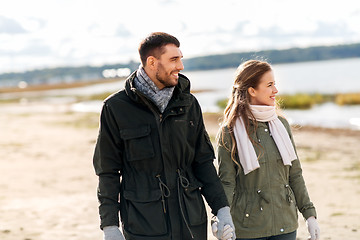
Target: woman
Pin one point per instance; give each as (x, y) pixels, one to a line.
(258, 164)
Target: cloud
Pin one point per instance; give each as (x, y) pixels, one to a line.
(122, 31)
(10, 26)
(332, 30)
(36, 48)
(108, 32)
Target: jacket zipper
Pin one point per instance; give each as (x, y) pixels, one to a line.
(269, 182)
(158, 115)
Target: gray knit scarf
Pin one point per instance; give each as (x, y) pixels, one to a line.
(145, 85)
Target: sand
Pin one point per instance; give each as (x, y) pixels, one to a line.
(48, 185)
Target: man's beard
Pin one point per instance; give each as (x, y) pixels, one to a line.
(163, 80)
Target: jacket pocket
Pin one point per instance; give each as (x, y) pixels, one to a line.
(256, 210)
(194, 205)
(138, 143)
(145, 214)
(289, 209)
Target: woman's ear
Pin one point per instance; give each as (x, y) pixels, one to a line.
(252, 91)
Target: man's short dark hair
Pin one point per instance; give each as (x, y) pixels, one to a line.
(153, 45)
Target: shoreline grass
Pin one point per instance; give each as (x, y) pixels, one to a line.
(347, 99)
(307, 101)
(285, 101)
(303, 100)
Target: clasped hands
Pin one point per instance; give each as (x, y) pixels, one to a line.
(222, 225)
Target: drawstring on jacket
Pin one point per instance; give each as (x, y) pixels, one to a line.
(184, 182)
(165, 191)
(289, 194)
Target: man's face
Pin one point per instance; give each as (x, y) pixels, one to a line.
(168, 67)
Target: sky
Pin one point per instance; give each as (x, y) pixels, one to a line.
(54, 33)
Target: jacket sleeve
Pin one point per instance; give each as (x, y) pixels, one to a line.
(107, 164)
(227, 168)
(205, 172)
(297, 183)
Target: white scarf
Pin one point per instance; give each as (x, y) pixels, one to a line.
(247, 155)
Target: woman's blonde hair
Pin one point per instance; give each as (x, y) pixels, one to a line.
(248, 75)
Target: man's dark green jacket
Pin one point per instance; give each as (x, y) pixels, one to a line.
(153, 167)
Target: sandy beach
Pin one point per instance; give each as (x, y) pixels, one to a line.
(48, 185)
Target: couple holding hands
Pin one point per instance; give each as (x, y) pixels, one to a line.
(154, 158)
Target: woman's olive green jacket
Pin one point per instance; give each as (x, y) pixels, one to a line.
(265, 201)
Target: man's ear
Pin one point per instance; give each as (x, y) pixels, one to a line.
(151, 62)
(252, 91)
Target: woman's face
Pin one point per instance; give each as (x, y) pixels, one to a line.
(264, 93)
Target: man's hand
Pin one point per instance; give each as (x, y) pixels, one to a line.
(112, 233)
(224, 225)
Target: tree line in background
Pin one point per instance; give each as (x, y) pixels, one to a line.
(291, 55)
(231, 60)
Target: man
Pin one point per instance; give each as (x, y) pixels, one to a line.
(153, 156)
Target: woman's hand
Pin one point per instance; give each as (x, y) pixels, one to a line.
(313, 228)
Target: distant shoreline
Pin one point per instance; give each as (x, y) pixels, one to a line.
(45, 87)
(207, 62)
